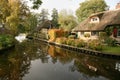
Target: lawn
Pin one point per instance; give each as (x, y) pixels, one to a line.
(111, 50)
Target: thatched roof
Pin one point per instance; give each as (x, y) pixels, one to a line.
(46, 24)
(106, 18)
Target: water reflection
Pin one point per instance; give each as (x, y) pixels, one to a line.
(33, 60)
(88, 65)
(117, 67)
(13, 66)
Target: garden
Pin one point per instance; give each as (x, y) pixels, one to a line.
(108, 46)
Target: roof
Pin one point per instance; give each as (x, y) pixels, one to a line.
(46, 24)
(106, 18)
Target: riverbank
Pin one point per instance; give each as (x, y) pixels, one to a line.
(6, 42)
(83, 50)
(7, 48)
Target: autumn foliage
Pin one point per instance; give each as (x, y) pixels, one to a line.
(56, 33)
(59, 36)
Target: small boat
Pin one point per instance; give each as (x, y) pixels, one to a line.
(21, 37)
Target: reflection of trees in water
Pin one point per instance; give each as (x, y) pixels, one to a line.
(88, 65)
(16, 63)
(36, 50)
(95, 66)
(59, 54)
(4, 67)
(17, 66)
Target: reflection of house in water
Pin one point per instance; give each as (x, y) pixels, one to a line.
(95, 67)
(92, 67)
(117, 66)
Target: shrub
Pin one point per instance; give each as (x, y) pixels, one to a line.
(102, 35)
(66, 34)
(61, 40)
(110, 42)
(80, 43)
(72, 36)
(6, 40)
(51, 34)
(55, 33)
(95, 45)
(87, 35)
(70, 42)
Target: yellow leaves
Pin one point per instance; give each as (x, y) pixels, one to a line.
(55, 33)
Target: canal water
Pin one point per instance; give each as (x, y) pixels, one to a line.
(35, 60)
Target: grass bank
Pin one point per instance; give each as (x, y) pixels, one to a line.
(111, 50)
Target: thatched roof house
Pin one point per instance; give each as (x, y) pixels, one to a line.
(46, 25)
(41, 30)
(99, 21)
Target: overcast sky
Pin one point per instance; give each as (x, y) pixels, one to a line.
(69, 4)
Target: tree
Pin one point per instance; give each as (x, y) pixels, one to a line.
(4, 11)
(88, 7)
(31, 22)
(18, 15)
(55, 18)
(67, 21)
(43, 16)
(36, 3)
(14, 14)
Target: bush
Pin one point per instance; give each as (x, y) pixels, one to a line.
(102, 35)
(87, 35)
(61, 40)
(70, 42)
(110, 42)
(6, 40)
(56, 33)
(80, 43)
(72, 36)
(95, 45)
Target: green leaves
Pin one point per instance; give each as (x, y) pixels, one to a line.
(67, 21)
(89, 7)
(36, 3)
(55, 18)
(6, 40)
(14, 14)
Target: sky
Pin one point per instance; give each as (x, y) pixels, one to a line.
(69, 5)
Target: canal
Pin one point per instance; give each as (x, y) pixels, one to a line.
(35, 60)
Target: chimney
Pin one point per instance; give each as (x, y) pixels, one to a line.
(117, 6)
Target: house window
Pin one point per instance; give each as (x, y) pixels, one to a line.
(94, 19)
(119, 32)
(94, 33)
(82, 33)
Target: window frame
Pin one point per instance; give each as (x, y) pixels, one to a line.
(82, 33)
(118, 33)
(94, 33)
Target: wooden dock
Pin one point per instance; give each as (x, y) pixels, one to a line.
(82, 50)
